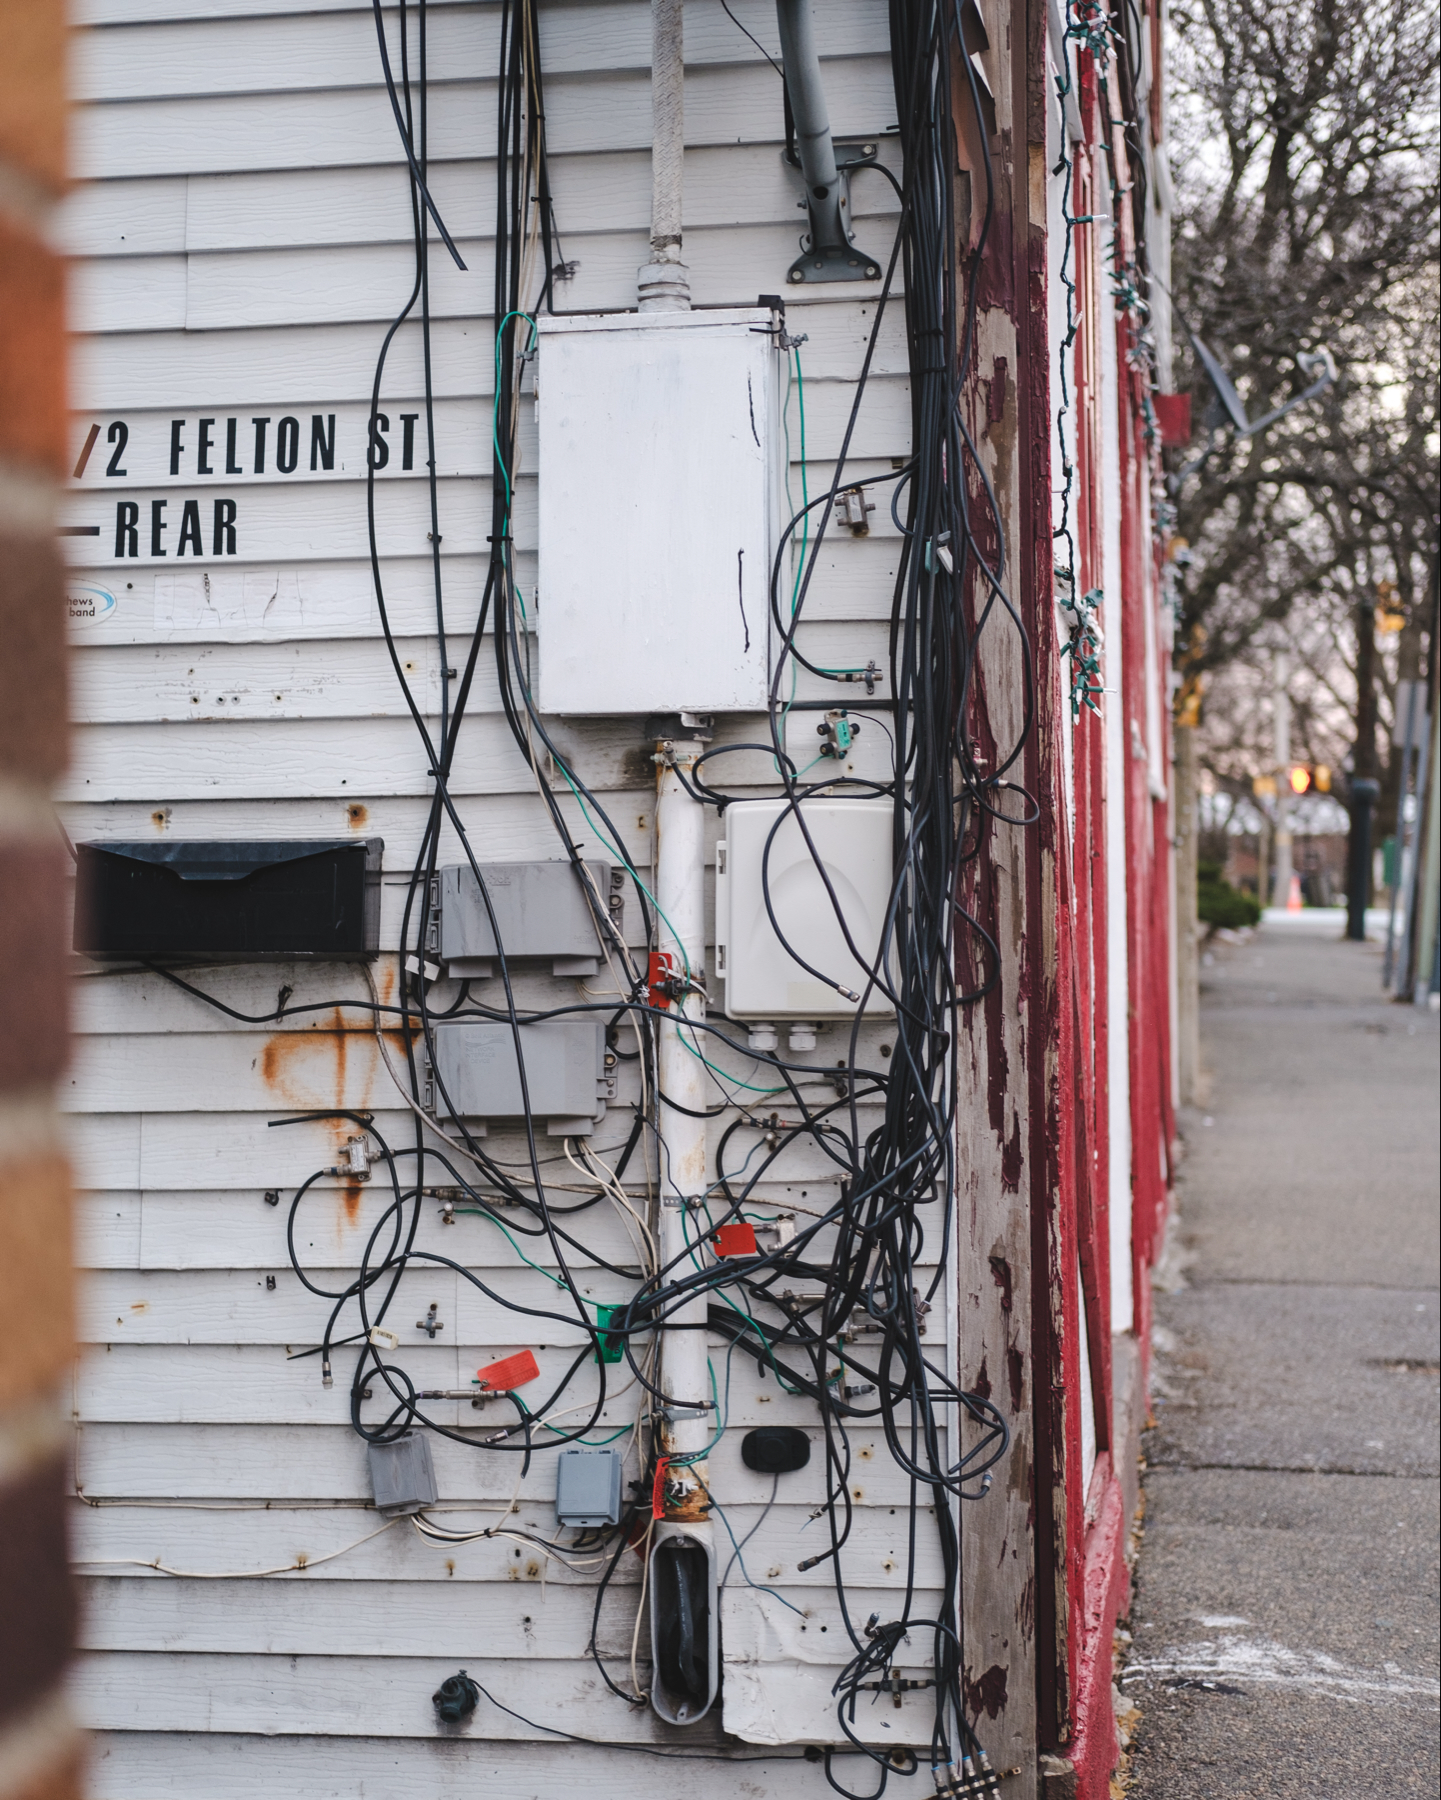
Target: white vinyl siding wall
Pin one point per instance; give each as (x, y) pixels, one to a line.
(242, 238)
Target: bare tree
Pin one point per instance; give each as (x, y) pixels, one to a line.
(1305, 147)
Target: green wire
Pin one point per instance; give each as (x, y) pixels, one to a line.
(479, 1212)
(620, 858)
(805, 509)
(735, 1308)
(495, 402)
(683, 1462)
(591, 1443)
(805, 480)
(800, 388)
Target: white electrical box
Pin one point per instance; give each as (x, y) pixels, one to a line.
(659, 463)
(763, 980)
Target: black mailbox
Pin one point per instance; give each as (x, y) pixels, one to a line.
(229, 902)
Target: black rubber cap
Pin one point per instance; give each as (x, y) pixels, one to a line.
(775, 1449)
(456, 1698)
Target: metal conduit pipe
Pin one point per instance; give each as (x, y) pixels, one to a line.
(801, 60)
(663, 284)
(830, 254)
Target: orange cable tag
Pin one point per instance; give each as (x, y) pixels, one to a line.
(510, 1372)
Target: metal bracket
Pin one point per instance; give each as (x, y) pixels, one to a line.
(833, 262)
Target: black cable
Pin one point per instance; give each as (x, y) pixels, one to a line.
(887, 1136)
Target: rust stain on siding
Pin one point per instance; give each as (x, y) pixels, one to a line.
(334, 1063)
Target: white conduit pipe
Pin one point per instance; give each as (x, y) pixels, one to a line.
(664, 284)
(683, 1686)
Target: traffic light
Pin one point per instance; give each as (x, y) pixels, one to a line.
(1307, 778)
(1390, 614)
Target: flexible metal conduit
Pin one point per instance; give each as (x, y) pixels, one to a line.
(664, 284)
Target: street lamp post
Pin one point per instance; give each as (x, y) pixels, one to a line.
(1281, 747)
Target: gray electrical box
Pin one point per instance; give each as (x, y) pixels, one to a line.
(587, 1487)
(402, 1476)
(540, 907)
(475, 1075)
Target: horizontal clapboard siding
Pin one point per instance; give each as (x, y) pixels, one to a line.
(142, 684)
(462, 444)
(595, 192)
(321, 48)
(327, 1464)
(224, 1766)
(347, 1696)
(351, 127)
(208, 1540)
(250, 367)
(242, 238)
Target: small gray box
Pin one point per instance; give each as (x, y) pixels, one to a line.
(402, 1476)
(587, 1487)
(565, 1072)
(541, 910)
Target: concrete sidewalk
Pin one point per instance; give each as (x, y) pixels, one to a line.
(1284, 1629)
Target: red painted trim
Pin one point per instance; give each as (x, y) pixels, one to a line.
(1106, 1586)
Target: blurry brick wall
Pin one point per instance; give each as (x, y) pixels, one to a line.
(39, 1747)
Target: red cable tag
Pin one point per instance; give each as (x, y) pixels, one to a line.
(510, 1372)
(736, 1239)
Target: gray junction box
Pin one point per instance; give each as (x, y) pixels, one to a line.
(402, 1475)
(475, 1075)
(540, 908)
(587, 1487)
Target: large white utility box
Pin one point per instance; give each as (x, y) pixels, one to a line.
(852, 840)
(659, 464)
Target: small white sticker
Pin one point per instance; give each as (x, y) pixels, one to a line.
(87, 602)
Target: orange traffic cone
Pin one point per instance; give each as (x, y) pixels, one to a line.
(1294, 902)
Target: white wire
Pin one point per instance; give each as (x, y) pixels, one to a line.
(292, 1568)
(607, 1180)
(635, 1686)
(400, 1086)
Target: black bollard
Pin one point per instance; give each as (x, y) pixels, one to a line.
(1364, 794)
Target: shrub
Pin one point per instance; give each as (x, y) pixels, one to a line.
(1218, 903)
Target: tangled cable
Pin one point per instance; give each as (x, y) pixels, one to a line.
(836, 1311)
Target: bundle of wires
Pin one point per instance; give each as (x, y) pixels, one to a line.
(864, 1269)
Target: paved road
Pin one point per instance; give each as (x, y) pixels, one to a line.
(1284, 1631)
